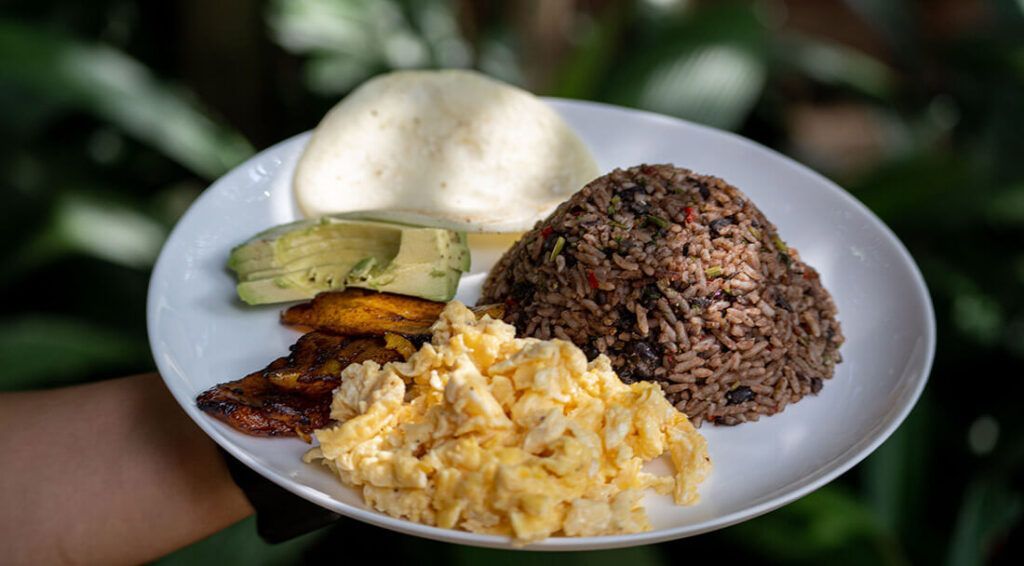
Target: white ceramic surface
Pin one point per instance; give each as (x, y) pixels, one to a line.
(202, 335)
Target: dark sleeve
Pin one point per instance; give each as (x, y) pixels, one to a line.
(280, 514)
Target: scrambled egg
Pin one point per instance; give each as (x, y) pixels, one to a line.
(485, 432)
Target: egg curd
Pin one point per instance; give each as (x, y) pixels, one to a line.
(481, 431)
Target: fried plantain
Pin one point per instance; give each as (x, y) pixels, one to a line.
(315, 364)
(356, 311)
(255, 406)
(292, 396)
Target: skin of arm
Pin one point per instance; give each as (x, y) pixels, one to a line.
(112, 472)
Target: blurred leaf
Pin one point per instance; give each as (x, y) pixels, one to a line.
(922, 189)
(94, 225)
(709, 68)
(26, 112)
(498, 57)
(988, 511)
(45, 351)
(108, 231)
(170, 203)
(827, 526)
(836, 64)
(1007, 207)
(331, 75)
(115, 87)
(438, 26)
(347, 42)
(322, 26)
(239, 544)
(893, 489)
(715, 84)
(979, 317)
(583, 70)
(896, 23)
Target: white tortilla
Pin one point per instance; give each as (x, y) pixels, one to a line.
(449, 148)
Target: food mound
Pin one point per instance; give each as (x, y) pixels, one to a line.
(485, 432)
(681, 280)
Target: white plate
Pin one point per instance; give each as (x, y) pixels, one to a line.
(202, 335)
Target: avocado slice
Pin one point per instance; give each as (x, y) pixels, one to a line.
(296, 261)
(429, 264)
(296, 245)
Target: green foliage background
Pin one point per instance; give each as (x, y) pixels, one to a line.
(115, 115)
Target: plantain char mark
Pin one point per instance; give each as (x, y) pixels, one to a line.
(255, 406)
(316, 360)
(357, 311)
(292, 395)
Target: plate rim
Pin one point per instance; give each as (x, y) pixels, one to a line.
(805, 485)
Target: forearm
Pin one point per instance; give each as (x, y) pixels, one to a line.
(112, 472)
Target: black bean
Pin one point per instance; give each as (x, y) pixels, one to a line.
(816, 385)
(570, 260)
(634, 198)
(717, 225)
(782, 303)
(644, 358)
(645, 352)
(591, 351)
(630, 193)
(650, 295)
(741, 394)
(600, 297)
(686, 249)
(704, 192)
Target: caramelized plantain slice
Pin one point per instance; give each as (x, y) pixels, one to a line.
(292, 396)
(356, 311)
(255, 406)
(315, 364)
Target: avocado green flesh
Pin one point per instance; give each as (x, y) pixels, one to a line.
(295, 286)
(408, 274)
(413, 280)
(312, 255)
(263, 253)
(298, 260)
